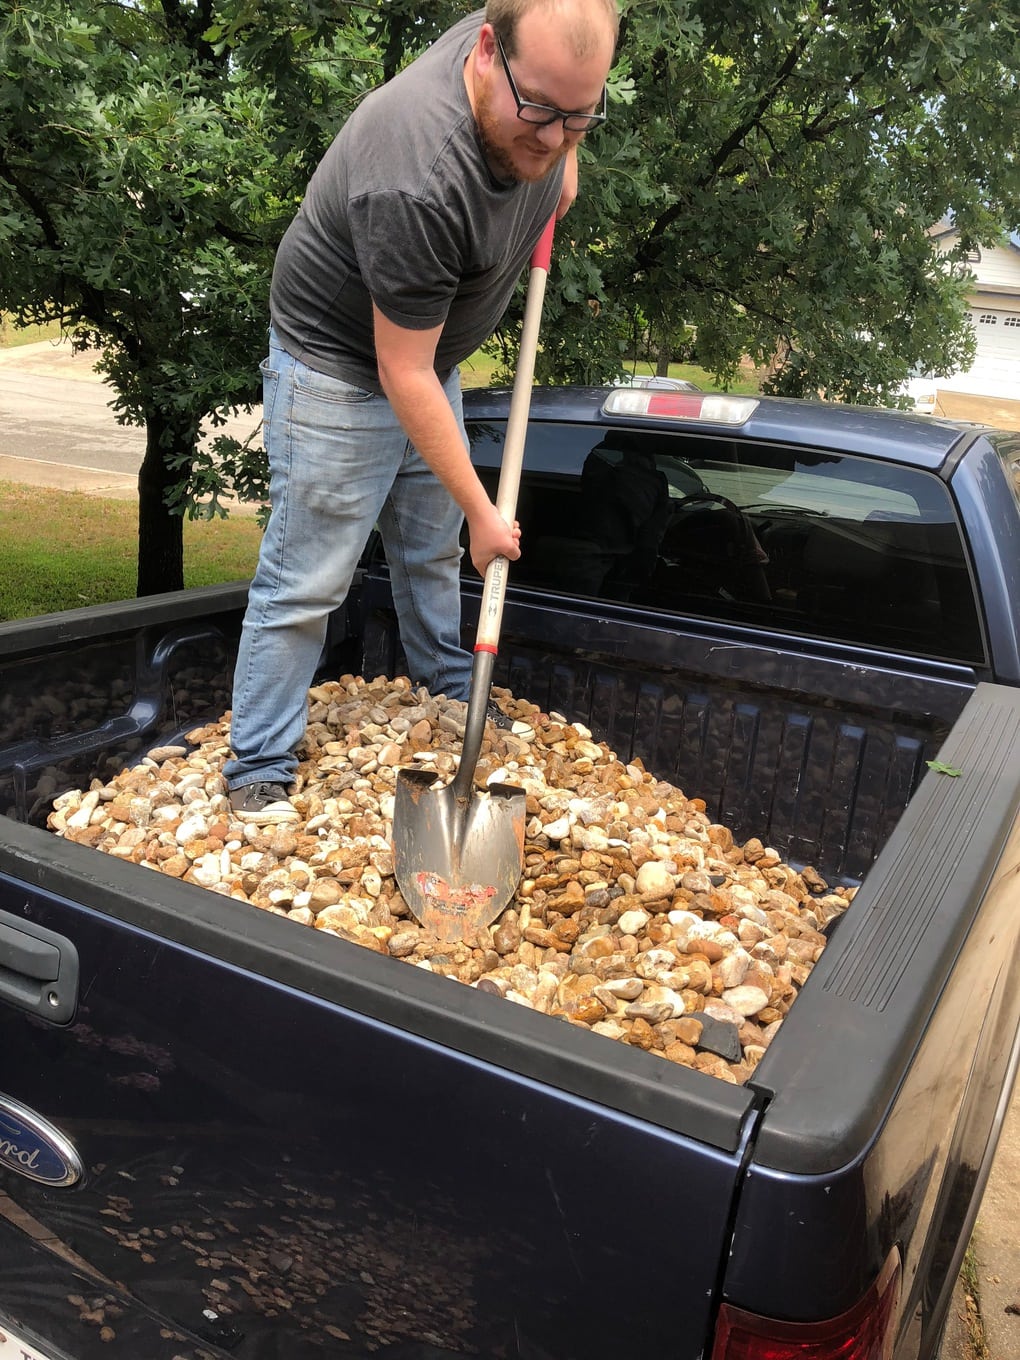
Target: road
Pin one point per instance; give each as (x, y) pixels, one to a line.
(56, 429)
(51, 419)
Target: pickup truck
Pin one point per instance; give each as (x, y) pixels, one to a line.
(223, 1135)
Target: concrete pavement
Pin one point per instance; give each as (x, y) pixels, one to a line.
(57, 428)
(62, 416)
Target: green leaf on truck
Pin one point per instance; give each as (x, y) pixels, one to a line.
(940, 767)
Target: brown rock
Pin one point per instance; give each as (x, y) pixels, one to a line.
(699, 972)
(587, 1009)
(597, 949)
(687, 1029)
(753, 850)
(680, 1053)
(813, 880)
(506, 938)
(325, 892)
(570, 900)
(640, 1034)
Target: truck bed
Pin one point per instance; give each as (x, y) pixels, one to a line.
(291, 1085)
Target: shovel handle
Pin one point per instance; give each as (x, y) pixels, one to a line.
(494, 589)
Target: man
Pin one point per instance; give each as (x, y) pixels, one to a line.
(401, 261)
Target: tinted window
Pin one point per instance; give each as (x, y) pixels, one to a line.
(826, 545)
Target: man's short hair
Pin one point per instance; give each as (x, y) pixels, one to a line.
(504, 16)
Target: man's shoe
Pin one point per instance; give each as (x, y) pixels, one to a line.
(263, 803)
(496, 716)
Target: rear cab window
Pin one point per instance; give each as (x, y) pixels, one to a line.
(826, 545)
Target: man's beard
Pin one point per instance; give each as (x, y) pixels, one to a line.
(500, 158)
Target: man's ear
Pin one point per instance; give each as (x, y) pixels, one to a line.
(485, 53)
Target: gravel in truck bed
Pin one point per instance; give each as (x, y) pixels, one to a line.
(636, 916)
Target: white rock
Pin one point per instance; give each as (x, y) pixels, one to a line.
(633, 922)
(192, 829)
(745, 1000)
(654, 880)
(83, 815)
(664, 996)
(626, 988)
(371, 881)
(207, 870)
(590, 838)
(732, 969)
(557, 830)
(722, 1010)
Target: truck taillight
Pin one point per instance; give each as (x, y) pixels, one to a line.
(864, 1332)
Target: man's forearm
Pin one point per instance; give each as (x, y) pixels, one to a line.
(424, 412)
(408, 377)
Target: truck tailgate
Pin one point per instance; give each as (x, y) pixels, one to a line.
(291, 1143)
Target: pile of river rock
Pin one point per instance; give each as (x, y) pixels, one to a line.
(636, 916)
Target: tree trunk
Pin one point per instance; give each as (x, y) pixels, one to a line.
(160, 534)
(663, 357)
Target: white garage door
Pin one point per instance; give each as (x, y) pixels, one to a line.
(995, 371)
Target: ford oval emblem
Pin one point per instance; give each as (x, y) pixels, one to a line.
(33, 1147)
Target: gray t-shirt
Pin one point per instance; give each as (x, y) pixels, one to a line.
(404, 210)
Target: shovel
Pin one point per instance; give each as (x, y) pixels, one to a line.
(457, 852)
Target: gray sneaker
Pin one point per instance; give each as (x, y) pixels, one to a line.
(497, 717)
(262, 802)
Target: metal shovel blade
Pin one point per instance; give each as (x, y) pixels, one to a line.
(457, 859)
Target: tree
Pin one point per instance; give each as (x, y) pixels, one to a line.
(769, 178)
(151, 155)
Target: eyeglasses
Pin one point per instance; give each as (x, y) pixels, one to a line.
(544, 114)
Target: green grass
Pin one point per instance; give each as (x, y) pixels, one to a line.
(478, 371)
(63, 550)
(28, 335)
(972, 1296)
(746, 384)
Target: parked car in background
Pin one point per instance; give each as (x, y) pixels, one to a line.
(659, 384)
(922, 389)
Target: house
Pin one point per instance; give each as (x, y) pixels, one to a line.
(994, 308)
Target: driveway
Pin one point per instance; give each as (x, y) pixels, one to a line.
(57, 428)
(997, 411)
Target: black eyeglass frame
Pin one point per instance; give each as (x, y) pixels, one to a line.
(526, 108)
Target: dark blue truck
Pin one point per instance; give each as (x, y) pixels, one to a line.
(224, 1136)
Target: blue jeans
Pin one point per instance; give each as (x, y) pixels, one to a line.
(339, 464)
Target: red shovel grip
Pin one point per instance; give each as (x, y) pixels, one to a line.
(541, 256)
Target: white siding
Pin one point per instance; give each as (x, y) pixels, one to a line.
(998, 267)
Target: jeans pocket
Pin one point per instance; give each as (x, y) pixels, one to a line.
(270, 387)
(310, 382)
